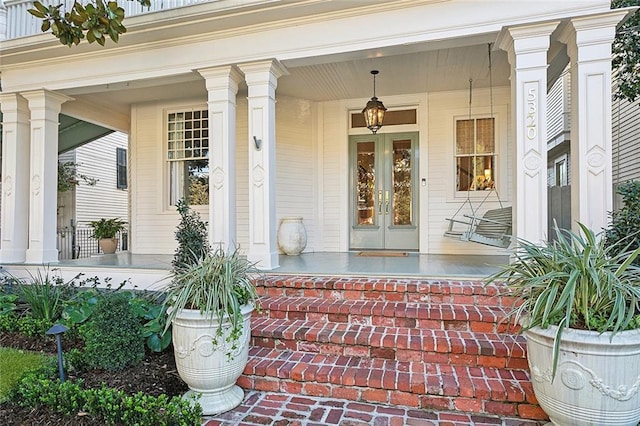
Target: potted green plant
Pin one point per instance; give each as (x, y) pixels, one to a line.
(209, 302)
(106, 232)
(578, 304)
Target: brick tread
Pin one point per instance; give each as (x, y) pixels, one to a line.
(416, 378)
(400, 343)
(393, 289)
(374, 312)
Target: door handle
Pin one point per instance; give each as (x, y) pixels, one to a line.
(380, 201)
(386, 202)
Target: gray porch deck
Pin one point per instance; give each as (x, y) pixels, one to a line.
(325, 263)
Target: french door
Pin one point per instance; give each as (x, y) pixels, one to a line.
(383, 191)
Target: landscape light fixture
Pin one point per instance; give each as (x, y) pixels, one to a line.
(374, 111)
(57, 331)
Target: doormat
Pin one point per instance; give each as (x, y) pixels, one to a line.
(383, 254)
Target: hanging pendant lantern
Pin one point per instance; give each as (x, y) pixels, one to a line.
(374, 111)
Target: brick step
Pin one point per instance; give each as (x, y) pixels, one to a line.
(458, 292)
(436, 316)
(395, 343)
(437, 386)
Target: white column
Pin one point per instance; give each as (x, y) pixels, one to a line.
(526, 48)
(45, 108)
(588, 43)
(262, 80)
(14, 223)
(222, 87)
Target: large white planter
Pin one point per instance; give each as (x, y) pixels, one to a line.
(209, 369)
(597, 381)
(292, 236)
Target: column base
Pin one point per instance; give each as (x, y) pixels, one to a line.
(13, 255)
(42, 256)
(265, 261)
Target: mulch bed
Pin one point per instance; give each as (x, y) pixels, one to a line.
(155, 375)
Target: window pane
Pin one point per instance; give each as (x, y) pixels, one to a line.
(402, 196)
(464, 137)
(464, 173)
(485, 142)
(366, 184)
(190, 180)
(484, 172)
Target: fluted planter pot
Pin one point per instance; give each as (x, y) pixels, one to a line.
(108, 245)
(292, 236)
(209, 364)
(597, 381)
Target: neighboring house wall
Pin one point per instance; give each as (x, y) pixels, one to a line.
(96, 160)
(558, 131)
(626, 143)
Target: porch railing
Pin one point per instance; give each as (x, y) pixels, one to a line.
(19, 23)
(77, 243)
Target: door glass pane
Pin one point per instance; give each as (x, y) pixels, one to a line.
(402, 196)
(365, 183)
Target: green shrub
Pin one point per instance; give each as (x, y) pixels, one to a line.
(624, 230)
(113, 334)
(191, 235)
(110, 406)
(44, 294)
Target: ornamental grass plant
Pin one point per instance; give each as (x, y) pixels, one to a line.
(217, 285)
(578, 281)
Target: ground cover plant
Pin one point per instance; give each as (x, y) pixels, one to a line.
(13, 363)
(136, 383)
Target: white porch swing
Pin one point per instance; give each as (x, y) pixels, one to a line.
(493, 228)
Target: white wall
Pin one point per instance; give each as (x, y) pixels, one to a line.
(311, 163)
(442, 200)
(154, 221)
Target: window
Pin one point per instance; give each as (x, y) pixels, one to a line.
(188, 156)
(121, 168)
(561, 171)
(475, 154)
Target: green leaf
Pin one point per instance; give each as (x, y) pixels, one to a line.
(37, 14)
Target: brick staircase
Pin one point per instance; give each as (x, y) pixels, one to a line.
(431, 344)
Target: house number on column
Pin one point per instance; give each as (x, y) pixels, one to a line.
(531, 117)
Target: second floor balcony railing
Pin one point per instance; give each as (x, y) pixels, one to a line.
(19, 23)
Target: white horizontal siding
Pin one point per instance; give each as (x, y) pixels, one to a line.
(626, 140)
(441, 200)
(97, 160)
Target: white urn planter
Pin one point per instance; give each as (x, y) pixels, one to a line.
(208, 363)
(597, 381)
(292, 236)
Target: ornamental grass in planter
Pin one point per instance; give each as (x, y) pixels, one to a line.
(209, 304)
(578, 303)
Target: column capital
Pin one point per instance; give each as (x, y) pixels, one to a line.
(593, 34)
(45, 98)
(226, 77)
(526, 38)
(263, 71)
(12, 103)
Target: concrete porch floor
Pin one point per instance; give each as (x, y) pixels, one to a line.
(325, 263)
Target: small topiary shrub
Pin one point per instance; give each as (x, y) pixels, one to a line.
(113, 334)
(191, 235)
(624, 230)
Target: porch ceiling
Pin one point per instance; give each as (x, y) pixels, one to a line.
(402, 71)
